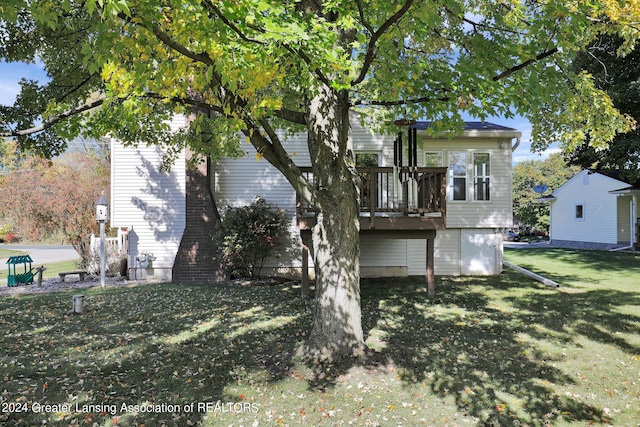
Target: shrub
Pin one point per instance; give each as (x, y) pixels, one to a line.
(7, 234)
(251, 234)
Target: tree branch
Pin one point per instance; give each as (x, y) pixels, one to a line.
(503, 75)
(77, 87)
(371, 48)
(394, 103)
(73, 112)
(299, 53)
(53, 120)
(519, 67)
(183, 50)
(363, 19)
(230, 24)
(291, 116)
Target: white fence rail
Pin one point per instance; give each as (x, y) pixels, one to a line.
(115, 249)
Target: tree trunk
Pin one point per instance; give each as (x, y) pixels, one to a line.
(337, 328)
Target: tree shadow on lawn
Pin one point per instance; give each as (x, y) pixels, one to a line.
(468, 350)
(593, 314)
(163, 345)
(181, 345)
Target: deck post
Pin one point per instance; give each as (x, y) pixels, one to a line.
(305, 235)
(305, 271)
(431, 288)
(373, 197)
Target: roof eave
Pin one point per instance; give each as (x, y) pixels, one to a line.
(474, 133)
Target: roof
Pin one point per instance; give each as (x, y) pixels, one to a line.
(546, 199)
(625, 190)
(469, 126)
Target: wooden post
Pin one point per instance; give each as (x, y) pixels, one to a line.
(305, 236)
(431, 288)
(305, 271)
(40, 270)
(373, 196)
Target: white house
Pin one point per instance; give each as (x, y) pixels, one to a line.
(464, 226)
(593, 210)
(478, 205)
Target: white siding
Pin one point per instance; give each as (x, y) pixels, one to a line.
(498, 211)
(237, 182)
(150, 203)
(591, 190)
(446, 254)
(383, 252)
(459, 252)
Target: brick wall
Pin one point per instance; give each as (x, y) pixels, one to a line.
(196, 261)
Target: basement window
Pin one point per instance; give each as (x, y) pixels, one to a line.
(579, 213)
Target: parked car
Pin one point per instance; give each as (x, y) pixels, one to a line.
(511, 236)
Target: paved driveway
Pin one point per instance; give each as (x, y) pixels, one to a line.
(43, 254)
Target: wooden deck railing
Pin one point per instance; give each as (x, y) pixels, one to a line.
(396, 192)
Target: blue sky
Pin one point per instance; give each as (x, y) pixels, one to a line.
(12, 73)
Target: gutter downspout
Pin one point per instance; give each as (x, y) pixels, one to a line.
(539, 278)
(513, 148)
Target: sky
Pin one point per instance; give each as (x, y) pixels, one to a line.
(12, 73)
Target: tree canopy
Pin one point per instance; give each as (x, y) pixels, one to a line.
(245, 61)
(619, 76)
(552, 173)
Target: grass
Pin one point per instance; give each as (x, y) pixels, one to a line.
(6, 253)
(497, 351)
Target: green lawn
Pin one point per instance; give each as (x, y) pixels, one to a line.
(50, 273)
(6, 253)
(485, 351)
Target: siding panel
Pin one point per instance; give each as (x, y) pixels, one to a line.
(497, 212)
(446, 254)
(150, 203)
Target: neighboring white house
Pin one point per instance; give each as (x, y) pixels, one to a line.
(478, 199)
(593, 210)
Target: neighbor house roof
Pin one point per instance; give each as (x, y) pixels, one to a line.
(626, 190)
(546, 199)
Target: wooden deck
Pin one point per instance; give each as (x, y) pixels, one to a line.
(395, 203)
(393, 200)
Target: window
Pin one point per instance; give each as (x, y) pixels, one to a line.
(579, 214)
(458, 175)
(433, 159)
(481, 172)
